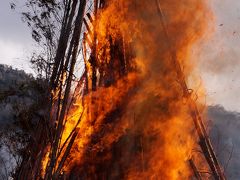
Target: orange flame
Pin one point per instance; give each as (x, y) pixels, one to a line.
(153, 132)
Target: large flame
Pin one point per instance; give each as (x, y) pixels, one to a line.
(140, 127)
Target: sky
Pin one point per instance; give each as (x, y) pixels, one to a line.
(218, 57)
(15, 38)
(219, 61)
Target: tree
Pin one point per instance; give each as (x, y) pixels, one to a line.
(44, 18)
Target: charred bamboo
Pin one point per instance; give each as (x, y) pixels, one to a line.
(63, 41)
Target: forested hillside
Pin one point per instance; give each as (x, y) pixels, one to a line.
(20, 94)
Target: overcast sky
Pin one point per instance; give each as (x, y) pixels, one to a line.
(15, 38)
(219, 56)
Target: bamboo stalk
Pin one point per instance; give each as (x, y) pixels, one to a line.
(62, 45)
(195, 170)
(66, 153)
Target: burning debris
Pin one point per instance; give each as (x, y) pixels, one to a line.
(131, 115)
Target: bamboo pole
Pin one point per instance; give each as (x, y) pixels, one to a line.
(195, 170)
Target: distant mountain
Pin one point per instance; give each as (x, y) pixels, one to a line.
(10, 78)
(225, 134)
(14, 92)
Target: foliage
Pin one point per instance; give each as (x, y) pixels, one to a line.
(22, 102)
(44, 19)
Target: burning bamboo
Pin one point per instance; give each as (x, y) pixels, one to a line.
(76, 37)
(97, 143)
